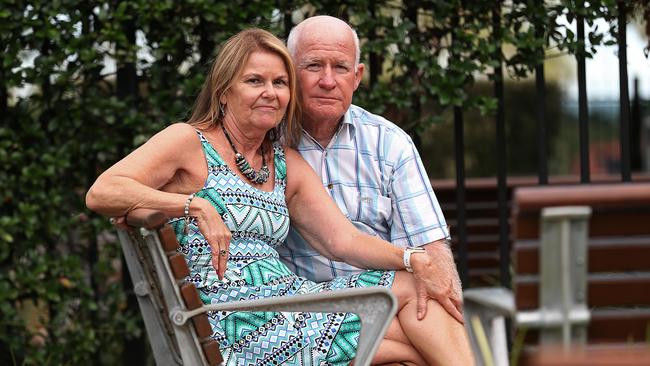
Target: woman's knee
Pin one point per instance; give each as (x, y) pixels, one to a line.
(404, 287)
(395, 332)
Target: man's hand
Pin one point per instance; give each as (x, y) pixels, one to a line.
(438, 280)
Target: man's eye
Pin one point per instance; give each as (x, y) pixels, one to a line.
(313, 67)
(342, 68)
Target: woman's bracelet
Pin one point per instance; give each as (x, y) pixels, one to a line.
(186, 211)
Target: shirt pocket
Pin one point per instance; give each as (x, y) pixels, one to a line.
(369, 211)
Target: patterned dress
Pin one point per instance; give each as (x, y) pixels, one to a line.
(259, 222)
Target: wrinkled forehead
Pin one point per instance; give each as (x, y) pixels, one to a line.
(325, 43)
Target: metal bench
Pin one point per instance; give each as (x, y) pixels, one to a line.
(581, 271)
(176, 320)
(615, 287)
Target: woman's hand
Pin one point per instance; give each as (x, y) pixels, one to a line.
(215, 232)
(429, 286)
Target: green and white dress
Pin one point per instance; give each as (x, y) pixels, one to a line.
(259, 222)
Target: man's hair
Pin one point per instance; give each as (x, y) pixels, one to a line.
(296, 33)
(228, 64)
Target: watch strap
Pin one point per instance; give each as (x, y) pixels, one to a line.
(407, 257)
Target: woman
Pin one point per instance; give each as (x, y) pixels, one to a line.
(225, 164)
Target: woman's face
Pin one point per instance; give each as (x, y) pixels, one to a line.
(259, 95)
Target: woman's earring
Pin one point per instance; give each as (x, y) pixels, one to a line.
(222, 112)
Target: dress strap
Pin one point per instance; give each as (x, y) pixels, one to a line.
(211, 155)
(280, 163)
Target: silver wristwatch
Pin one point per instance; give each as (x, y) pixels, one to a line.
(407, 256)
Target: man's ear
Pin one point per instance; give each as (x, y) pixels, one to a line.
(358, 75)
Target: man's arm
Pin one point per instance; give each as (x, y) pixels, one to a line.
(418, 217)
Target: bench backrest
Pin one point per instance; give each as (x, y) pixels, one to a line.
(158, 272)
(618, 280)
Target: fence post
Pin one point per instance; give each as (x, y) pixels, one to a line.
(624, 100)
(502, 169)
(583, 112)
(461, 221)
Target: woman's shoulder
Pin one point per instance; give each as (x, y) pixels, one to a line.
(180, 129)
(178, 132)
(290, 153)
(297, 167)
(178, 140)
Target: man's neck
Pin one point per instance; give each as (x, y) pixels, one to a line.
(322, 131)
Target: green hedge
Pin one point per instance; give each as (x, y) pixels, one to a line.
(83, 83)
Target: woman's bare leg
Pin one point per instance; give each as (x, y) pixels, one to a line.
(438, 338)
(395, 352)
(396, 347)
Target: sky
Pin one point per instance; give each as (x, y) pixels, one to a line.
(603, 72)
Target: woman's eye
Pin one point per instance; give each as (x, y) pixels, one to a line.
(253, 81)
(280, 82)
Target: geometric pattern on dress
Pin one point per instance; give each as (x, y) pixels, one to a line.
(259, 222)
(344, 345)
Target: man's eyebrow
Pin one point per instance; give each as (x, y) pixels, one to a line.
(344, 63)
(309, 60)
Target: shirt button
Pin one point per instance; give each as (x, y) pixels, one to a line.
(330, 186)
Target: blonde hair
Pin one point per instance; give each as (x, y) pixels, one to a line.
(228, 64)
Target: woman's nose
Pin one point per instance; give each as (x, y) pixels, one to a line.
(269, 90)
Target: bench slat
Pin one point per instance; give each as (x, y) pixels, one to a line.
(202, 325)
(168, 239)
(601, 195)
(623, 223)
(612, 257)
(619, 325)
(146, 218)
(211, 352)
(191, 296)
(611, 326)
(178, 266)
(602, 291)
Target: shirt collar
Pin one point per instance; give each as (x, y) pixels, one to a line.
(345, 132)
(348, 123)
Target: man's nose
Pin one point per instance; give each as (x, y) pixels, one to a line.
(327, 80)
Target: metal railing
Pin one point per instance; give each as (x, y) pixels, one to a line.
(542, 168)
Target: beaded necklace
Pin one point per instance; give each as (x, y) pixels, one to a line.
(257, 177)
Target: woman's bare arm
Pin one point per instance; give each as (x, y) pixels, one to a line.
(160, 175)
(317, 218)
(153, 176)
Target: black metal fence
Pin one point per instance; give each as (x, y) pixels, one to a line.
(629, 150)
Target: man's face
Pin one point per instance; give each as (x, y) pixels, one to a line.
(326, 73)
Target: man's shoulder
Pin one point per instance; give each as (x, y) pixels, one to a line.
(363, 119)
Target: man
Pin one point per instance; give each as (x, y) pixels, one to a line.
(369, 166)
